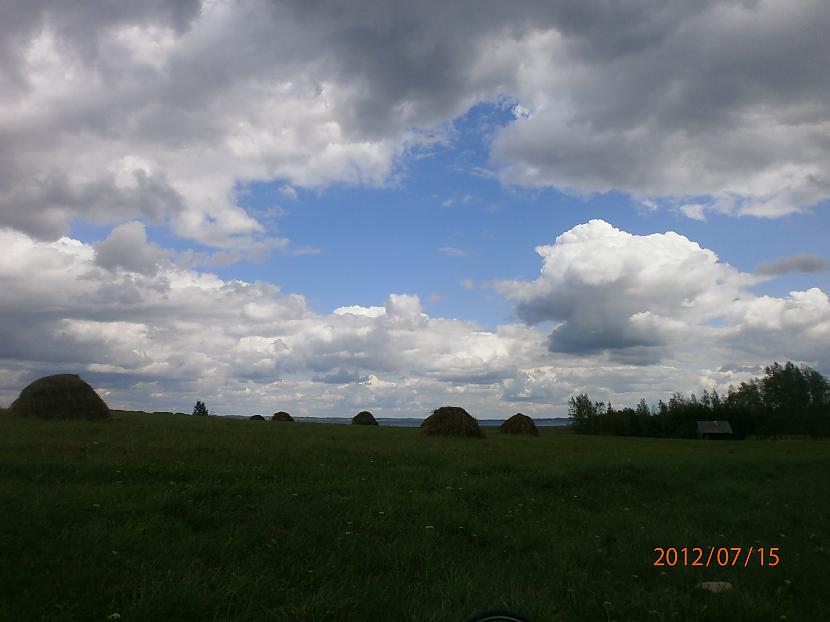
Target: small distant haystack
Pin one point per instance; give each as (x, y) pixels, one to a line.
(64, 396)
(282, 416)
(256, 418)
(519, 424)
(364, 418)
(451, 421)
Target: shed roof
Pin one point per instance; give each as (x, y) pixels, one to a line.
(714, 427)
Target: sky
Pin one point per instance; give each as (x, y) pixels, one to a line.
(325, 207)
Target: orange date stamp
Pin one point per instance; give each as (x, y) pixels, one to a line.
(720, 556)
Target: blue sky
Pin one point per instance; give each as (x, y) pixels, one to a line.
(282, 206)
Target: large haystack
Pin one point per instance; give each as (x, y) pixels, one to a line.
(64, 396)
(256, 418)
(282, 416)
(451, 421)
(519, 424)
(364, 417)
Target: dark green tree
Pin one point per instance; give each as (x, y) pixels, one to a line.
(784, 387)
(200, 410)
(790, 399)
(582, 411)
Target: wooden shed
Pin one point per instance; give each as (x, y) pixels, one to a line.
(714, 429)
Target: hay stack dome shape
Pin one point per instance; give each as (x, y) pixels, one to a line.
(282, 416)
(519, 424)
(63, 396)
(451, 421)
(256, 418)
(364, 417)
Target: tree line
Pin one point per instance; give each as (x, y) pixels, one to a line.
(788, 399)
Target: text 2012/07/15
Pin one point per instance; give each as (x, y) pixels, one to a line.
(717, 556)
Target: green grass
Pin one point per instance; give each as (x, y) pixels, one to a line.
(160, 517)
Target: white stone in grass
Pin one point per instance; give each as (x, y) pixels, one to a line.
(715, 587)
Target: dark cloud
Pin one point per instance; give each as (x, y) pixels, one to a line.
(756, 370)
(591, 336)
(127, 248)
(340, 376)
(803, 262)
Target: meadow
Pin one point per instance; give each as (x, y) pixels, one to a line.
(155, 517)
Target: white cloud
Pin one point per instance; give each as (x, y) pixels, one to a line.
(520, 112)
(799, 323)
(695, 211)
(453, 251)
(289, 192)
(362, 311)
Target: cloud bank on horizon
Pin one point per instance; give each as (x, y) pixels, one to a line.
(130, 116)
(153, 333)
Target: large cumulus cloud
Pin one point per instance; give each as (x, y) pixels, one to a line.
(640, 299)
(613, 291)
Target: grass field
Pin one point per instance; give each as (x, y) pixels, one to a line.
(169, 518)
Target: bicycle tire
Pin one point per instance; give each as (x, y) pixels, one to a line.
(497, 616)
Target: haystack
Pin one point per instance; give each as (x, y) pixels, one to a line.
(519, 424)
(451, 421)
(64, 396)
(364, 417)
(256, 418)
(282, 416)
